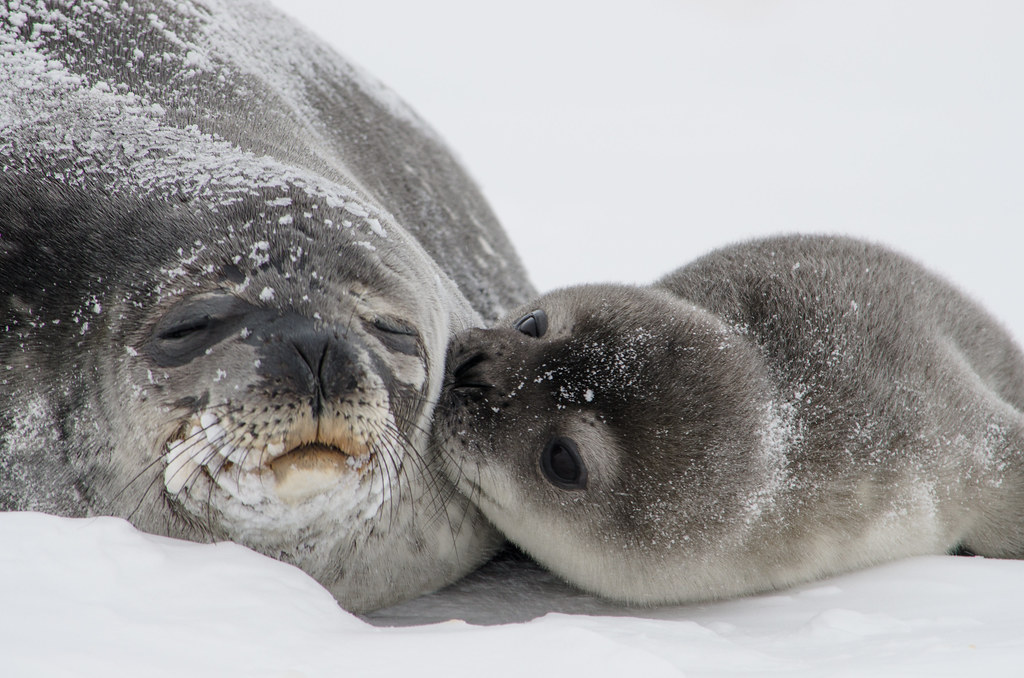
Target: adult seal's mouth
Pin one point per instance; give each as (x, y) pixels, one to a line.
(213, 450)
(310, 470)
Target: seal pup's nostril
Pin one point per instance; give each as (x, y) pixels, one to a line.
(467, 374)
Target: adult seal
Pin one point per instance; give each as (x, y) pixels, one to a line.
(230, 264)
(776, 412)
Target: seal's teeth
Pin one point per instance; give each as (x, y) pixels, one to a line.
(248, 458)
(214, 432)
(179, 451)
(233, 454)
(275, 449)
(195, 430)
(179, 469)
(246, 488)
(214, 462)
(208, 419)
(227, 482)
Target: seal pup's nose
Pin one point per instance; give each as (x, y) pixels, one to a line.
(468, 374)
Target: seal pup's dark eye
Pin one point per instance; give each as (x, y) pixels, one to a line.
(534, 323)
(562, 464)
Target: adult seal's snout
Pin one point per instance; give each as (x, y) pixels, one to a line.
(301, 357)
(230, 264)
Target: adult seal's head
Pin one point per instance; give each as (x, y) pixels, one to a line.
(229, 268)
(773, 413)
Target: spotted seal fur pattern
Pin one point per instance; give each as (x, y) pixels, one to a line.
(776, 412)
(230, 263)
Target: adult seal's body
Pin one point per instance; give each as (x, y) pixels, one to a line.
(773, 413)
(229, 268)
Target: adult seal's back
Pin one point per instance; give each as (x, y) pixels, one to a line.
(775, 412)
(230, 264)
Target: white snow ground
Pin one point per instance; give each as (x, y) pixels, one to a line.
(599, 133)
(95, 597)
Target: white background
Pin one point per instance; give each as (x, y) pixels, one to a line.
(618, 141)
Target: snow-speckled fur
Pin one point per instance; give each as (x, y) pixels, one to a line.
(187, 190)
(775, 412)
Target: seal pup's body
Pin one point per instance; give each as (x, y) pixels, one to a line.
(773, 413)
(230, 264)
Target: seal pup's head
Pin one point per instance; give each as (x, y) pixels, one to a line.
(617, 434)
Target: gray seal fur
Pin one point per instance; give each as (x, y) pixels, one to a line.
(773, 413)
(230, 264)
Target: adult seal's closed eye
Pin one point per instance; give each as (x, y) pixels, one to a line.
(229, 267)
(773, 413)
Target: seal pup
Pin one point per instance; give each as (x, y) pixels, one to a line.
(773, 413)
(230, 264)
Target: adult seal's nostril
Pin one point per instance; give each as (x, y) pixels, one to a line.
(312, 349)
(310, 362)
(339, 366)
